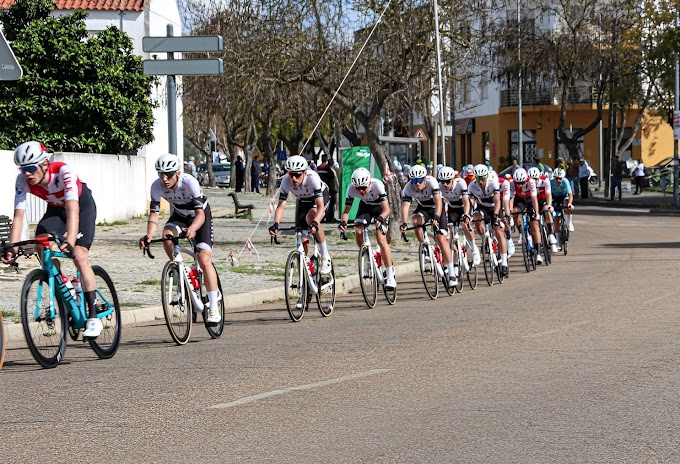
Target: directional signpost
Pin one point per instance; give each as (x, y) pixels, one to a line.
(172, 67)
(9, 66)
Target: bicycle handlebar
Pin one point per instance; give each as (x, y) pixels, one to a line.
(146, 251)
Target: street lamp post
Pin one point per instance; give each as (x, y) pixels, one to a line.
(520, 145)
(676, 168)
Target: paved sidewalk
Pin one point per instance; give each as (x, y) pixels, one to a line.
(654, 201)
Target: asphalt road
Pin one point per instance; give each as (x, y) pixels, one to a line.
(577, 362)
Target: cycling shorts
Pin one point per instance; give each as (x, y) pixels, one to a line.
(428, 214)
(204, 235)
(54, 220)
(366, 213)
(302, 207)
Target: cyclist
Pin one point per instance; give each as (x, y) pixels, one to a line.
(372, 205)
(425, 191)
(310, 207)
(191, 214)
(505, 192)
(562, 200)
(544, 196)
(525, 199)
(454, 191)
(489, 208)
(71, 211)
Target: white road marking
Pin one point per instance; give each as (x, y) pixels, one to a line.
(554, 331)
(309, 386)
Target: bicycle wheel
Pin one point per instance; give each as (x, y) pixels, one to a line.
(458, 264)
(390, 295)
(486, 261)
(2, 342)
(215, 330)
(472, 275)
(176, 303)
(296, 287)
(106, 345)
(325, 297)
(525, 251)
(45, 331)
(368, 280)
(564, 229)
(499, 272)
(547, 250)
(427, 271)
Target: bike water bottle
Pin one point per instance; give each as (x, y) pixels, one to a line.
(193, 277)
(77, 288)
(378, 258)
(69, 287)
(310, 265)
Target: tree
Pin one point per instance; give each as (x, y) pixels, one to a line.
(79, 92)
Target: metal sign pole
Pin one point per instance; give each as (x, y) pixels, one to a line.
(172, 103)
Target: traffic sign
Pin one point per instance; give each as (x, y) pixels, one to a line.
(183, 44)
(420, 135)
(183, 67)
(10, 70)
(676, 125)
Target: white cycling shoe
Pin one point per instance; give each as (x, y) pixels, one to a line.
(390, 283)
(511, 248)
(453, 282)
(93, 327)
(571, 227)
(325, 266)
(539, 259)
(214, 316)
(476, 259)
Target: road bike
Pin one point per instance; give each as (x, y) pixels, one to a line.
(491, 257)
(564, 231)
(547, 247)
(183, 292)
(432, 270)
(529, 252)
(45, 323)
(303, 280)
(372, 271)
(460, 258)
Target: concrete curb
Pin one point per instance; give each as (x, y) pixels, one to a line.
(240, 302)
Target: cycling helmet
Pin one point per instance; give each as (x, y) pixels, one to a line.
(168, 163)
(481, 170)
(534, 172)
(559, 172)
(520, 175)
(417, 172)
(361, 177)
(296, 163)
(30, 153)
(446, 173)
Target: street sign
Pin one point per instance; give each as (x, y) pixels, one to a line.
(9, 66)
(676, 125)
(420, 135)
(183, 44)
(183, 67)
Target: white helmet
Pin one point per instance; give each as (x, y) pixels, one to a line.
(29, 153)
(446, 173)
(361, 177)
(559, 172)
(296, 163)
(168, 163)
(520, 175)
(417, 171)
(481, 170)
(534, 172)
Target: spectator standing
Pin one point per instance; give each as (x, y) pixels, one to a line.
(639, 173)
(572, 173)
(239, 171)
(583, 175)
(327, 174)
(191, 167)
(617, 175)
(254, 177)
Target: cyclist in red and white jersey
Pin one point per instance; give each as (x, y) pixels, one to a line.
(71, 211)
(506, 195)
(454, 191)
(425, 191)
(489, 208)
(312, 200)
(373, 204)
(545, 207)
(525, 198)
(192, 214)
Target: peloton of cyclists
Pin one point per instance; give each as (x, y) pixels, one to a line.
(373, 205)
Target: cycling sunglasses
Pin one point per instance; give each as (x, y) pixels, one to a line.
(30, 169)
(481, 179)
(167, 175)
(417, 180)
(520, 183)
(295, 175)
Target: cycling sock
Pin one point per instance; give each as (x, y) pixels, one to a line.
(452, 273)
(90, 297)
(390, 272)
(323, 249)
(504, 259)
(212, 299)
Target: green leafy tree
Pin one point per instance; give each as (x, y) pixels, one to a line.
(79, 92)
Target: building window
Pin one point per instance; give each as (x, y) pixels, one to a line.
(484, 90)
(528, 145)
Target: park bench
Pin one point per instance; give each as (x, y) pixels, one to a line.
(239, 209)
(5, 228)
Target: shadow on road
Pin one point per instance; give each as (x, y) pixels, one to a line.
(643, 245)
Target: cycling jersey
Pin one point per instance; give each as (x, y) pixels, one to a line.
(485, 197)
(542, 187)
(186, 197)
(63, 185)
(560, 191)
(375, 194)
(454, 197)
(424, 197)
(312, 187)
(505, 190)
(525, 190)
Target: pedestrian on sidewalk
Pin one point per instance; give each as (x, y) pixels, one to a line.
(617, 175)
(583, 175)
(639, 173)
(572, 173)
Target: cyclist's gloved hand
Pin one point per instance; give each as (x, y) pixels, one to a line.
(551, 209)
(534, 216)
(313, 227)
(7, 255)
(274, 229)
(435, 219)
(570, 206)
(66, 248)
(403, 227)
(144, 242)
(466, 218)
(342, 226)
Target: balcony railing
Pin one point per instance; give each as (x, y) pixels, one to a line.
(535, 97)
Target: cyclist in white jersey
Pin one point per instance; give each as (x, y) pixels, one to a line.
(425, 191)
(372, 205)
(489, 208)
(454, 191)
(191, 214)
(312, 200)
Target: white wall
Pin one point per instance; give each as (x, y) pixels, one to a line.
(118, 184)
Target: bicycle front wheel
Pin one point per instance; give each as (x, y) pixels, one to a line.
(325, 296)
(525, 252)
(546, 245)
(106, 345)
(428, 271)
(367, 277)
(215, 330)
(296, 287)
(472, 275)
(45, 329)
(486, 261)
(176, 303)
(458, 264)
(390, 295)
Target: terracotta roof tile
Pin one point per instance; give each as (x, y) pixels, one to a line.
(117, 5)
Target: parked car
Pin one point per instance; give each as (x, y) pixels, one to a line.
(222, 173)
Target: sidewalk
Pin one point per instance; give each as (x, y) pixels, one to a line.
(655, 202)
